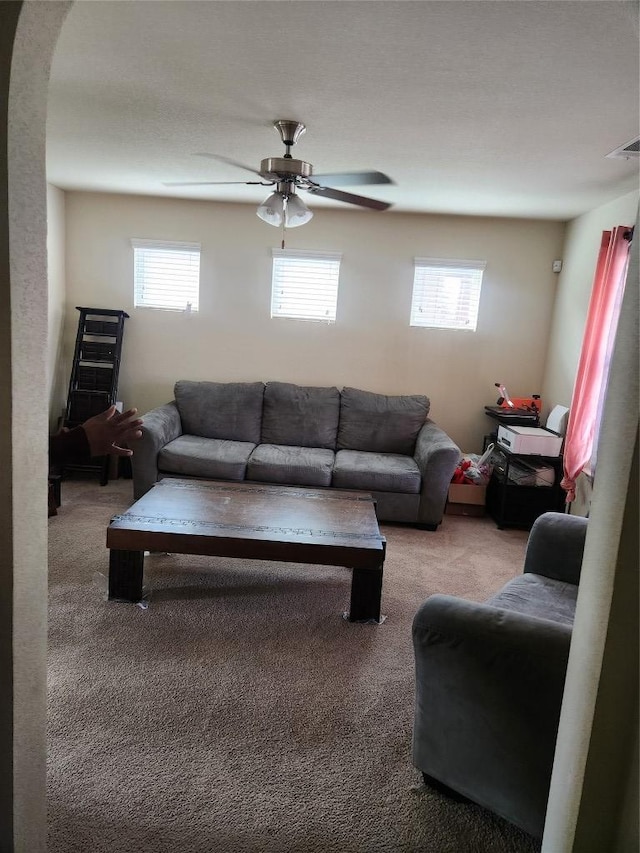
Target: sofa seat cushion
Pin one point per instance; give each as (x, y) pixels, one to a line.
(297, 466)
(380, 424)
(213, 458)
(539, 596)
(226, 410)
(300, 415)
(382, 472)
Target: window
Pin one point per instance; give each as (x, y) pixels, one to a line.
(304, 285)
(166, 275)
(446, 294)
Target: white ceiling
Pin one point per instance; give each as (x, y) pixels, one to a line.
(504, 108)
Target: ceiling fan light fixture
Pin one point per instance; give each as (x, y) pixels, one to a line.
(271, 210)
(296, 212)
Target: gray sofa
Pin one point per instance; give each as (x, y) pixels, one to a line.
(490, 679)
(283, 433)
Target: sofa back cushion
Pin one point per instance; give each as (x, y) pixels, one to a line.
(301, 416)
(227, 410)
(379, 423)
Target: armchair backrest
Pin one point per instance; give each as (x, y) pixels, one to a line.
(556, 546)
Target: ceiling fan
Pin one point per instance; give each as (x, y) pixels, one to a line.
(284, 206)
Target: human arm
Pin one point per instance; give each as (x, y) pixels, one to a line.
(98, 436)
(68, 446)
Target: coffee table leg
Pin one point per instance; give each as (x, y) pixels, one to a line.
(125, 574)
(366, 592)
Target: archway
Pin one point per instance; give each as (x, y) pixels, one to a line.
(28, 38)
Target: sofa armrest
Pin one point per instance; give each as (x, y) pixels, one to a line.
(489, 685)
(159, 427)
(555, 546)
(436, 456)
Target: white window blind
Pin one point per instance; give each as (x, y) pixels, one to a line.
(166, 275)
(304, 285)
(446, 293)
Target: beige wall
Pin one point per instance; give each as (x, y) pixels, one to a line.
(56, 301)
(371, 345)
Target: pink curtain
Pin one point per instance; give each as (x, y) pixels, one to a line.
(602, 319)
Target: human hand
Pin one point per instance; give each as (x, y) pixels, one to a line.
(109, 427)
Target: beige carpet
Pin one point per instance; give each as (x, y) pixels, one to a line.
(240, 711)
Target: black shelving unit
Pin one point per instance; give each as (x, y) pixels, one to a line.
(512, 504)
(93, 385)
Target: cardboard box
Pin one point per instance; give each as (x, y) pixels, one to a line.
(466, 499)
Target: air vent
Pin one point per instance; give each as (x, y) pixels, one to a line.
(630, 149)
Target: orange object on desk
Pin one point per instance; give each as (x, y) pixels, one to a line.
(523, 403)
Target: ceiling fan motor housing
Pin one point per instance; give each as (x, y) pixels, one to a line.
(285, 167)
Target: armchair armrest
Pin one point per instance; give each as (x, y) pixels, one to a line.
(489, 685)
(159, 427)
(436, 456)
(491, 630)
(555, 546)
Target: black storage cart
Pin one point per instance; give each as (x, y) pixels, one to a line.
(512, 499)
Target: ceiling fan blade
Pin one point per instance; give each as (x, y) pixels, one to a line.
(350, 198)
(229, 161)
(351, 179)
(215, 183)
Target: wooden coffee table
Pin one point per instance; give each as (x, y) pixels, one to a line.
(327, 527)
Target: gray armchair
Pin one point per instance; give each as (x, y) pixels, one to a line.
(490, 678)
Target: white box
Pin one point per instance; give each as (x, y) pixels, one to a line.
(530, 440)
